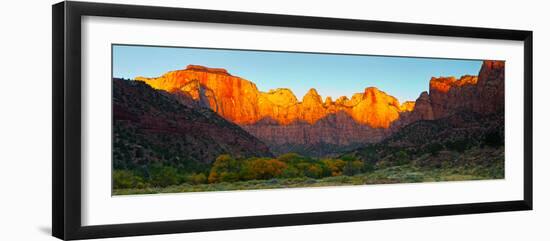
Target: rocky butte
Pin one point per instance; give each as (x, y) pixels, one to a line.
(317, 127)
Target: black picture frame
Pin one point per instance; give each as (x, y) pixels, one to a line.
(66, 128)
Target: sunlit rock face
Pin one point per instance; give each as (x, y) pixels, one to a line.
(240, 101)
(483, 94)
(444, 84)
(407, 106)
(279, 105)
(312, 108)
(232, 97)
(448, 94)
(281, 120)
(376, 109)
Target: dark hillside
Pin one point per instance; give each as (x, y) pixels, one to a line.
(154, 126)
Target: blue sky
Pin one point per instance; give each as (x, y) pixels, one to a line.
(331, 74)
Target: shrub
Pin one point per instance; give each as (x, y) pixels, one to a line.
(459, 145)
(335, 167)
(290, 158)
(302, 168)
(195, 178)
(226, 163)
(353, 167)
(381, 164)
(348, 158)
(314, 171)
(263, 169)
(163, 176)
(434, 148)
(224, 169)
(213, 177)
(368, 166)
(126, 179)
(290, 172)
(401, 158)
(228, 177)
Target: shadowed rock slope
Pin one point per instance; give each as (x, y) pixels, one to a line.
(432, 142)
(156, 126)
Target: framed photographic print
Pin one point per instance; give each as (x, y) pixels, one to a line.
(170, 120)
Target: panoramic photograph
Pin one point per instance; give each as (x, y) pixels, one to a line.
(201, 119)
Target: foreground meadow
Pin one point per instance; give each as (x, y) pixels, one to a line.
(474, 164)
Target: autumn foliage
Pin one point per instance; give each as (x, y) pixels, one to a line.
(228, 169)
(291, 165)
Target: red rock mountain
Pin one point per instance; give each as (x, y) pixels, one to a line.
(240, 101)
(490, 87)
(448, 94)
(285, 123)
(232, 97)
(483, 94)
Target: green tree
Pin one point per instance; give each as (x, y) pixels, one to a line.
(290, 172)
(163, 176)
(224, 169)
(353, 167)
(196, 178)
(291, 158)
(263, 169)
(126, 179)
(348, 158)
(335, 167)
(314, 171)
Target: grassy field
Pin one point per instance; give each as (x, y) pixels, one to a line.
(409, 173)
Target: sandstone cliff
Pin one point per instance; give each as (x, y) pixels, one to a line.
(281, 120)
(490, 87)
(232, 97)
(482, 94)
(448, 94)
(240, 101)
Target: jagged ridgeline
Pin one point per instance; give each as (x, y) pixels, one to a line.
(314, 127)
